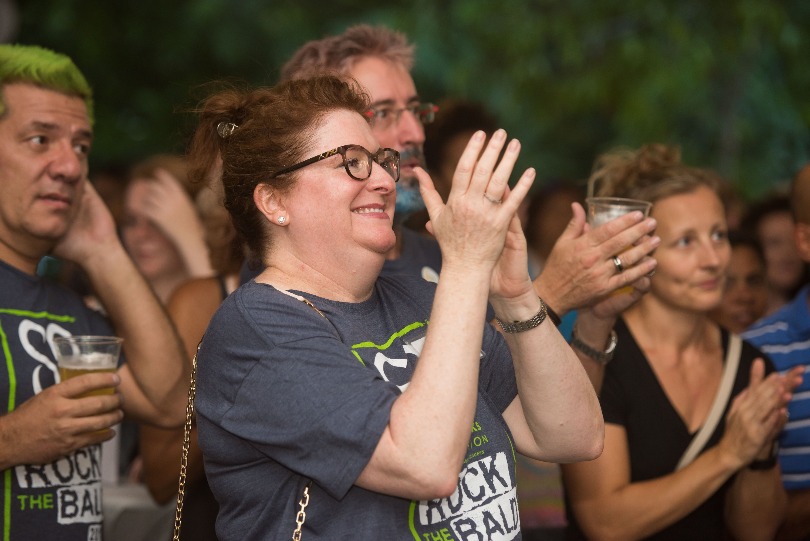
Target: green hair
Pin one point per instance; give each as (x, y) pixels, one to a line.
(43, 68)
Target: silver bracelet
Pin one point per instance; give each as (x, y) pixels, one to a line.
(602, 357)
(521, 326)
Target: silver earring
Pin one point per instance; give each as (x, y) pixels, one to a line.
(281, 219)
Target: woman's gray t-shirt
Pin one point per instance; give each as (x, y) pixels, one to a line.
(286, 395)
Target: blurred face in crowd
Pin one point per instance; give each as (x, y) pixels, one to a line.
(391, 89)
(694, 251)
(45, 138)
(153, 252)
(783, 263)
(746, 296)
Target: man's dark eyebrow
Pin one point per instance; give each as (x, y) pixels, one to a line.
(45, 126)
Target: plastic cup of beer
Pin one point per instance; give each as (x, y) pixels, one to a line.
(604, 209)
(83, 354)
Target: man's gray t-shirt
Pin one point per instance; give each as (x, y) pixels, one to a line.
(63, 499)
(286, 395)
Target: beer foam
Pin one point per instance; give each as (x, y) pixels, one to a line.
(89, 361)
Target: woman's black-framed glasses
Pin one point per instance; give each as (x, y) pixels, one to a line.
(356, 160)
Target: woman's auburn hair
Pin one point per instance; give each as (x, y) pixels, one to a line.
(269, 130)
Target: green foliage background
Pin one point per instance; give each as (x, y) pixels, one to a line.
(725, 80)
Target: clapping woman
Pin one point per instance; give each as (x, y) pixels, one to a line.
(657, 477)
(388, 401)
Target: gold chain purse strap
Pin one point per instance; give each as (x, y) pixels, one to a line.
(181, 489)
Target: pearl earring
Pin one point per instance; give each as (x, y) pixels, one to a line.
(281, 219)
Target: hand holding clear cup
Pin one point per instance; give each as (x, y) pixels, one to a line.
(604, 209)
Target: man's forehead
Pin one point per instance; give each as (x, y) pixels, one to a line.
(386, 82)
(30, 104)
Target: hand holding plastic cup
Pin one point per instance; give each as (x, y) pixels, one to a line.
(84, 354)
(604, 209)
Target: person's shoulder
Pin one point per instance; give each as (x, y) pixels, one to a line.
(17, 283)
(195, 298)
(779, 325)
(196, 287)
(751, 351)
(264, 306)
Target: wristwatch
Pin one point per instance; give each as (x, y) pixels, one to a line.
(521, 326)
(766, 463)
(602, 357)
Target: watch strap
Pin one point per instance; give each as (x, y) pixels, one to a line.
(602, 357)
(515, 327)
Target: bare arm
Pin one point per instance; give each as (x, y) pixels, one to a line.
(797, 521)
(756, 504)
(155, 379)
(609, 506)
(594, 325)
(191, 307)
(556, 416)
(420, 453)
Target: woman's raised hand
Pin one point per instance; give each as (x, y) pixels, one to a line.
(478, 226)
(170, 207)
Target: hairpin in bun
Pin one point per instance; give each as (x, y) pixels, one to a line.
(226, 129)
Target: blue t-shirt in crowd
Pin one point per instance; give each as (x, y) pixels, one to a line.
(785, 337)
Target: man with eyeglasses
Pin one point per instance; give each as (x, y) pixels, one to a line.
(580, 270)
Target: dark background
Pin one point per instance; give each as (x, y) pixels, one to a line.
(728, 81)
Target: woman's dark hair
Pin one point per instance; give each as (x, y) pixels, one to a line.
(252, 133)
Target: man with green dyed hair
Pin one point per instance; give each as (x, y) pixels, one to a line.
(43, 68)
(50, 430)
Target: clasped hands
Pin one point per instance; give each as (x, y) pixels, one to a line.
(758, 414)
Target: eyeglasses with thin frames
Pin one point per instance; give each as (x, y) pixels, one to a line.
(356, 160)
(386, 117)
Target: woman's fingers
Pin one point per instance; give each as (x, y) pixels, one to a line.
(466, 164)
(486, 170)
(433, 201)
